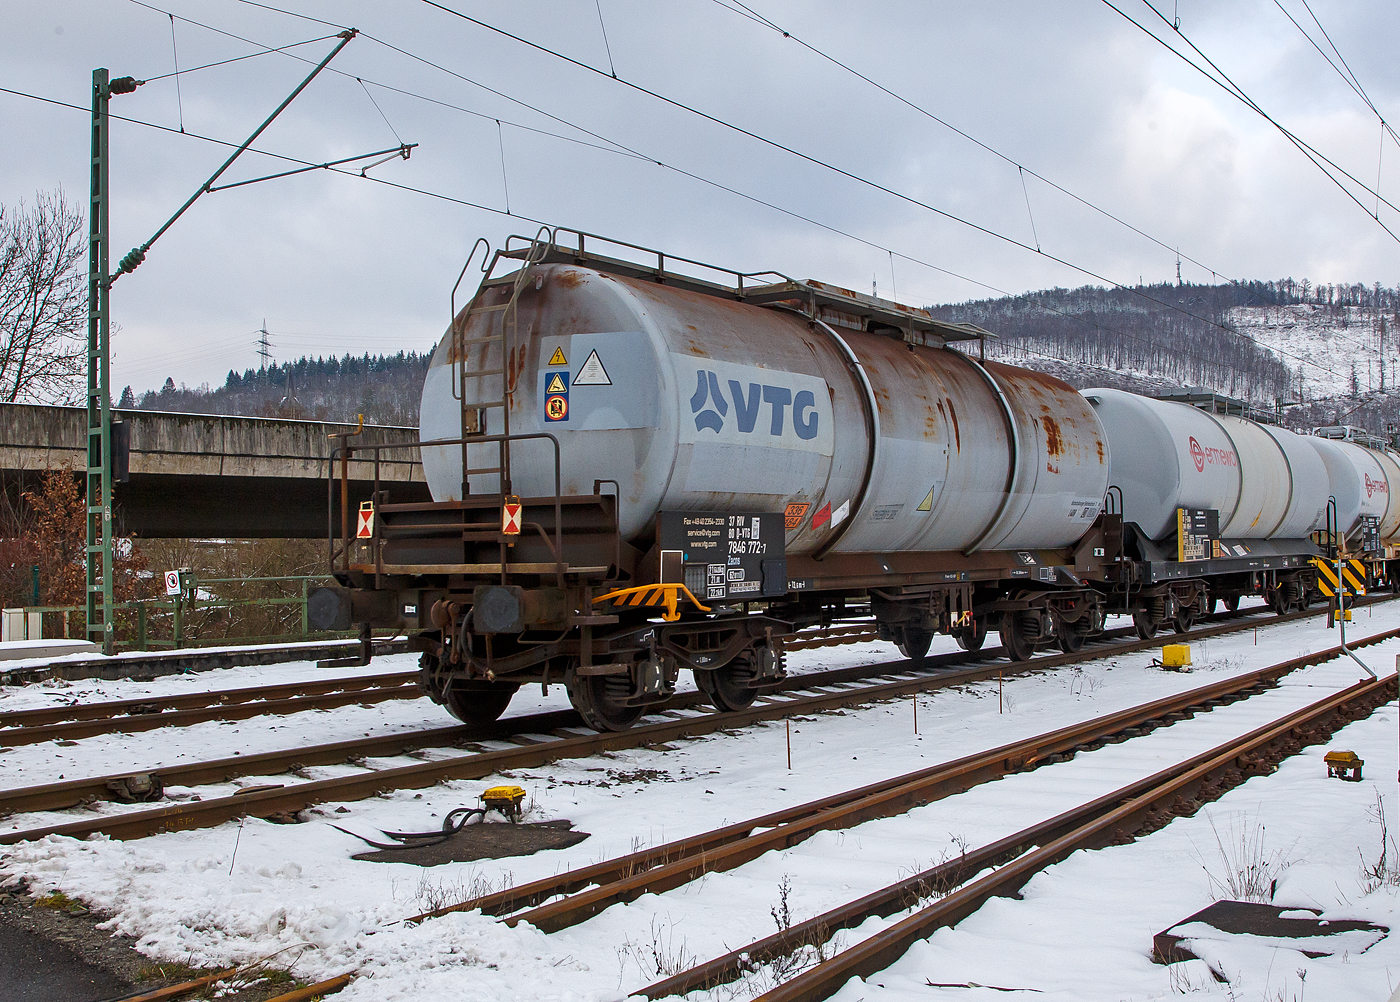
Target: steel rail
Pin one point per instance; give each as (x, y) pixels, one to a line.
(1174, 792)
(682, 862)
(74, 729)
(1285, 736)
(300, 796)
(151, 665)
(71, 793)
(185, 701)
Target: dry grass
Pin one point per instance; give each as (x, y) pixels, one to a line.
(1246, 869)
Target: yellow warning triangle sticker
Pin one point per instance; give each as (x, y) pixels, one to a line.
(927, 503)
(556, 383)
(558, 357)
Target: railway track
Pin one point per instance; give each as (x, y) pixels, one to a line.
(144, 667)
(83, 720)
(534, 740)
(564, 900)
(1117, 818)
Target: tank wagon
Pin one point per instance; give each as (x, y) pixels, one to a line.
(636, 471)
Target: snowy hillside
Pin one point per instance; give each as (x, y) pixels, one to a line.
(1257, 341)
(1336, 351)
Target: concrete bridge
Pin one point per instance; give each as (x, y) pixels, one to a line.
(203, 475)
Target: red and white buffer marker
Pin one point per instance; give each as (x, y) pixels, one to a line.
(364, 525)
(510, 517)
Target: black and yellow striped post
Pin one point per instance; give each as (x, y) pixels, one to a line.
(1341, 580)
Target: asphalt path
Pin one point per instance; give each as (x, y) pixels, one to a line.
(35, 969)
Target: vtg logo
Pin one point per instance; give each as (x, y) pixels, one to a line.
(748, 403)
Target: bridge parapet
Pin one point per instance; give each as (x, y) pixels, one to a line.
(173, 443)
(203, 475)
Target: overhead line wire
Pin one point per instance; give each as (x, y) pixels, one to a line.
(865, 181)
(235, 59)
(623, 150)
(734, 191)
(610, 148)
(351, 76)
(1307, 149)
(1226, 84)
(628, 151)
(753, 15)
(1354, 80)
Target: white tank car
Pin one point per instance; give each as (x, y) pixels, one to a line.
(695, 402)
(1266, 482)
(1362, 480)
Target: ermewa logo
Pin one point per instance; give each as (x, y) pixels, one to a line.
(748, 402)
(1376, 486)
(1215, 457)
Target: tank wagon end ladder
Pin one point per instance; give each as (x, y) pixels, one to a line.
(505, 337)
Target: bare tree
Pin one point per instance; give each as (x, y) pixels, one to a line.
(43, 299)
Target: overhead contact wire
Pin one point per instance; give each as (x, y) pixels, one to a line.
(1229, 86)
(875, 184)
(1074, 318)
(753, 15)
(620, 149)
(175, 54)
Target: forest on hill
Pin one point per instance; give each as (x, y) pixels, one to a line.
(384, 388)
(1313, 354)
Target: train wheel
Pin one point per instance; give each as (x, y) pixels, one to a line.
(1013, 637)
(1146, 628)
(973, 639)
(1072, 637)
(1184, 620)
(601, 700)
(1232, 604)
(478, 702)
(915, 645)
(727, 688)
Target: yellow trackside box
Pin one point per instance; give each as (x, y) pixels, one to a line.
(1176, 655)
(505, 799)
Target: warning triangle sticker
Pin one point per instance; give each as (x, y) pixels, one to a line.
(558, 357)
(556, 383)
(927, 503)
(592, 373)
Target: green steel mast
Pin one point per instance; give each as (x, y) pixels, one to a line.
(98, 497)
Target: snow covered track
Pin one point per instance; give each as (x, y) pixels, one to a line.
(83, 720)
(1120, 817)
(594, 888)
(534, 740)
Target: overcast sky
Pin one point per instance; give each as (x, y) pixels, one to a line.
(333, 263)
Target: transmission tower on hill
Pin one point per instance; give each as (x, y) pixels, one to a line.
(264, 346)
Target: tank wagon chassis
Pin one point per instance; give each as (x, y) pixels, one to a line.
(499, 591)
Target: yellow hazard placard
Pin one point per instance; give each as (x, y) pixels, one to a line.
(556, 383)
(558, 357)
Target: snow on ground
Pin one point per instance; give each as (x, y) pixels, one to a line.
(242, 891)
(1083, 930)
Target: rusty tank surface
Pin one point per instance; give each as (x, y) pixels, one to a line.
(690, 402)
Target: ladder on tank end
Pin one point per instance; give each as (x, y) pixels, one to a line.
(505, 337)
